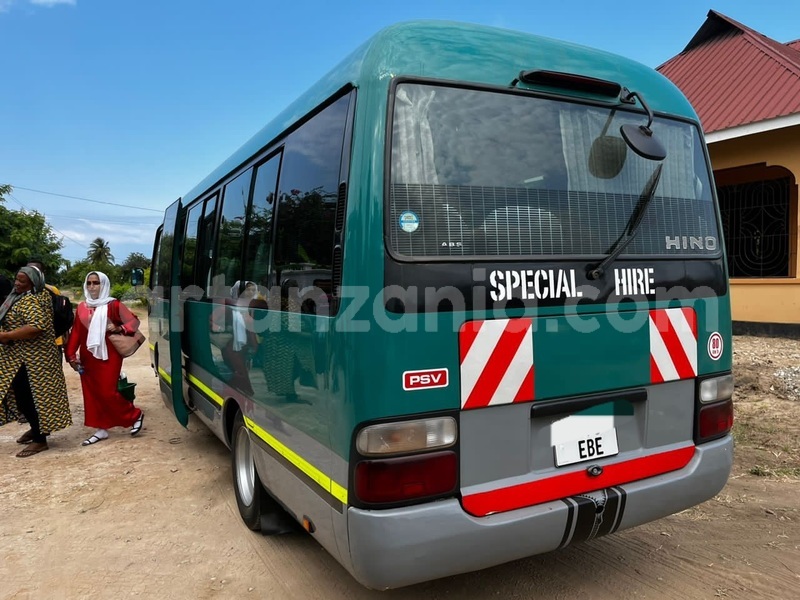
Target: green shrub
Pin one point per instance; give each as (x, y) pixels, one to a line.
(121, 291)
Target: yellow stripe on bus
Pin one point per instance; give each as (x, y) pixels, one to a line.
(325, 482)
(206, 390)
(165, 375)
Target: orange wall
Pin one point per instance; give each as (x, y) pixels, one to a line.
(765, 300)
(761, 302)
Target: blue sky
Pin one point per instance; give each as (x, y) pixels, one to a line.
(134, 102)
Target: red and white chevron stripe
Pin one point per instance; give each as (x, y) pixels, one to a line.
(673, 344)
(496, 362)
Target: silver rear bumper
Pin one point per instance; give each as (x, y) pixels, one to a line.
(399, 547)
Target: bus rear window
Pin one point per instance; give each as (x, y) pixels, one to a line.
(476, 173)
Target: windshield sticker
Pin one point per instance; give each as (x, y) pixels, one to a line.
(409, 221)
(533, 284)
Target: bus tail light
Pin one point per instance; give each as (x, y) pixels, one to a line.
(715, 389)
(402, 437)
(393, 480)
(714, 421)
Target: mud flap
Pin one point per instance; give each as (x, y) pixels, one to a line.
(277, 522)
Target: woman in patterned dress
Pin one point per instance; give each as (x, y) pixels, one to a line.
(96, 317)
(31, 377)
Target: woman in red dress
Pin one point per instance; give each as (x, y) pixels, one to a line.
(90, 353)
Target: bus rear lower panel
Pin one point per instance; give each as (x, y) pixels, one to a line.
(399, 547)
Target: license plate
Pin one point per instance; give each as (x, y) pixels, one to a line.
(590, 447)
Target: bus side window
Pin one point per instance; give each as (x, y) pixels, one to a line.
(258, 243)
(190, 245)
(307, 199)
(155, 270)
(318, 299)
(290, 296)
(228, 261)
(205, 246)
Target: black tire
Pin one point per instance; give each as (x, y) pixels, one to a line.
(251, 497)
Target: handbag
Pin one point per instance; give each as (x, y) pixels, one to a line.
(126, 389)
(126, 345)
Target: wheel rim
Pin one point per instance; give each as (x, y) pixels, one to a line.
(245, 469)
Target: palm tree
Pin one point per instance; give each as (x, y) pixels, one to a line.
(100, 253)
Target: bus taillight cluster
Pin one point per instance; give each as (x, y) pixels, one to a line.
(400, 462)
(714, 412)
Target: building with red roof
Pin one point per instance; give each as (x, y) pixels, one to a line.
(745, 88)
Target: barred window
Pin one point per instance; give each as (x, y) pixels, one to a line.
(755, 221)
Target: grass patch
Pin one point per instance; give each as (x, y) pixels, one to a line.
(762, 471)
(741, 432)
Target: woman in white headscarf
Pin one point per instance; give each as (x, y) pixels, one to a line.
(90, 353)
(31, 376)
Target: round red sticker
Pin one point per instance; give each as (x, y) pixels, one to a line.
(715, 346)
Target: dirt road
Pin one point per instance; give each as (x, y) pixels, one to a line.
(155, 517)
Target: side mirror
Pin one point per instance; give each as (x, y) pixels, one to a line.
(137, 277)
(641, 139)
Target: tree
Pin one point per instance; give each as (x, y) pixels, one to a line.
(100, 253)
(74, 276)
(25, 235)
(135, 260)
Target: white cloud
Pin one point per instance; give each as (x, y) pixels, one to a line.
(49, 3)
(113, 234)
(122, 240)
(5, 5)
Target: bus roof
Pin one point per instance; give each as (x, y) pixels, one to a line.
(458, 52)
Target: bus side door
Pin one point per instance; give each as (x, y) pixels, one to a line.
(170, 313)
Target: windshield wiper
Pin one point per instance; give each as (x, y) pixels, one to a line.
(632, 228)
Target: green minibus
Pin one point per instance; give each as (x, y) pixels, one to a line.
(464, 301)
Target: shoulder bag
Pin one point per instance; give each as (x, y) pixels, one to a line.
(126, 345)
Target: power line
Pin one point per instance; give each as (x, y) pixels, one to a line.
(93, 220)
(51, 226)
(20, 203)
(16, 187)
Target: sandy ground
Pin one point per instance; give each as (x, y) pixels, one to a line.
(155, 517)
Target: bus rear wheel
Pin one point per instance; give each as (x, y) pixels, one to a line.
(250, 493)
(259, 511)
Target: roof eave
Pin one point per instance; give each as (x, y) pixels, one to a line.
(764, 126)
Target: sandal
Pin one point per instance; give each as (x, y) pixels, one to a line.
(32, 448)
(93, 439)
(137, 425)
(26, 438)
